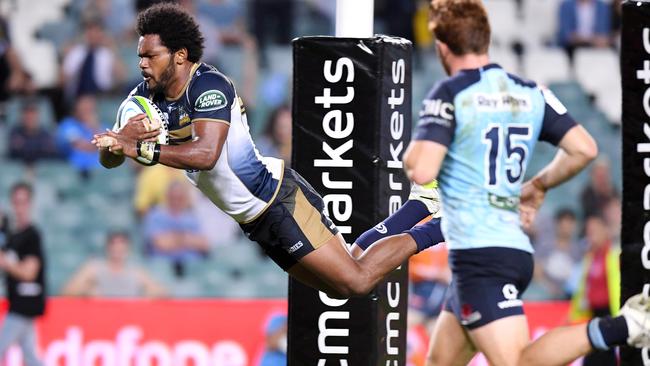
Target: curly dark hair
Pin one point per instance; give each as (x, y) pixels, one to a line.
(176, 28)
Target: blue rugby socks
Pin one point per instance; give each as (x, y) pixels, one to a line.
(405, 218)
(606, 332)
(427, 234)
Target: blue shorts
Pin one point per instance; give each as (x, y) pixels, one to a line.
(294, 224)
(487, 284)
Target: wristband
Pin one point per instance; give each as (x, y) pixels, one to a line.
(148, 150)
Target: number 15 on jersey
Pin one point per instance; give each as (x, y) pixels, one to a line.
(507, 146)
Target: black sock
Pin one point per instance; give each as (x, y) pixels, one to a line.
(606, 332)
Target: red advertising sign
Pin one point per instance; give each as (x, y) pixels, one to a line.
(80, 332)
(152, 332)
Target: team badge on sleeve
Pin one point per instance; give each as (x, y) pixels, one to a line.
(210, 100)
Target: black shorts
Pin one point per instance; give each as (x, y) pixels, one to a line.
(294, 224)
(487, 284)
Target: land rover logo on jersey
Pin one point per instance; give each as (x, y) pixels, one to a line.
(210, 100)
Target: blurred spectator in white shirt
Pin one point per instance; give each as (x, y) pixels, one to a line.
(114, 275)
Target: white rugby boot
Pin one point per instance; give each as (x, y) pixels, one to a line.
(429, 195)
(636, 312)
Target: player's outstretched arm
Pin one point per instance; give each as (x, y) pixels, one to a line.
(201, 153)
(577, 150)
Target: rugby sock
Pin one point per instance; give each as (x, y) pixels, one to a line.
(405, 218)
(427, 234)
(607, 332)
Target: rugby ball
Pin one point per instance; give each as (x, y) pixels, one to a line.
(135, 105)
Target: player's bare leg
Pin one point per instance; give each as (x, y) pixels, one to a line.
(560, 346)
(333, 264)
(305, 276)
(563, 345)
(502, 341)
(450, 344)
(332, 268)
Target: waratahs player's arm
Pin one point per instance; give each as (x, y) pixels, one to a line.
(435, 131)
(577, 147)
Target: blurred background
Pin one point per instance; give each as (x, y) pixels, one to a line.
(65, 66)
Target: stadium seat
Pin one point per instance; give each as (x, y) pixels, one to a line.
(598, 72)
(160, 269)
(610, 101)
(504, 21)
(28, 18)
(540, 22)
(546, 65)
(572, 95)
(57, 173)
(107, 109)
(506, 58)
(230, 61)
(12, 172)
(280, 59)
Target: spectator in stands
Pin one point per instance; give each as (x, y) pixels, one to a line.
(29, 141)
(583, 23)
(151, 190)
(13, 77)
(275, 332)
(92, 67)
(74, 135)
(272, 23)
(116, 15)
(114, 275)
(22, 260)
(222, 24)
(320, 16)
(598, 292)
(617, 21)
(152, 186)
(173, 231)
(398, 17)
(600, 190)
(613, 215)
(557, 260)
(276, 140)
(4, 228)
(220, 229)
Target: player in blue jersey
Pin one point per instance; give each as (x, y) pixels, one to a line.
(210, 140)
(476, 133)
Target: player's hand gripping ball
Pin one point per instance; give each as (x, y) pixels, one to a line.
(154, 120)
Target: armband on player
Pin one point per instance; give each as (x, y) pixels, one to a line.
(149, 151)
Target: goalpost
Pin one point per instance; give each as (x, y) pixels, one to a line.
(354, 18)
